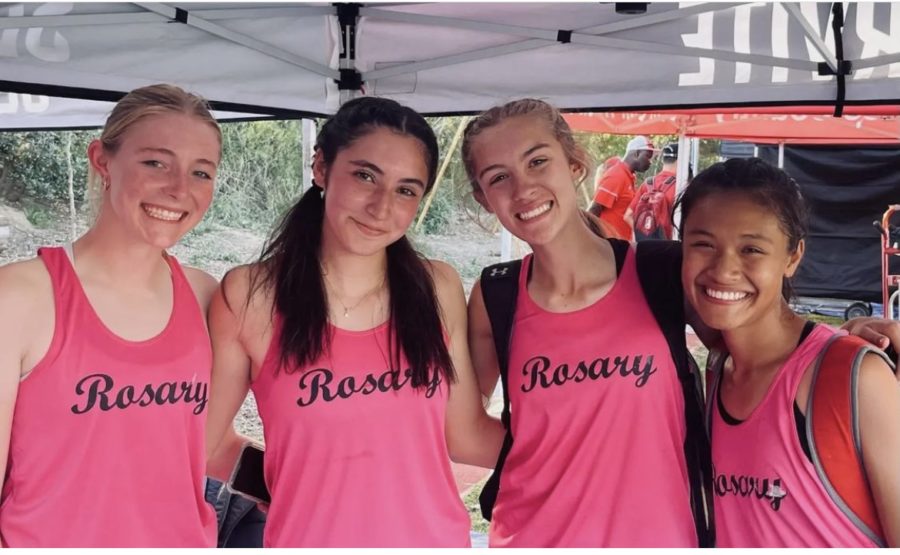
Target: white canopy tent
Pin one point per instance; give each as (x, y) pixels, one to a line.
(296, 60)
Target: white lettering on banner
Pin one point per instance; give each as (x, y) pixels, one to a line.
(875, 42)
(8, 37)
(779, 42)
(31, 103)
(703, 38)
(35, 42)
(9, 103)
(742, 40)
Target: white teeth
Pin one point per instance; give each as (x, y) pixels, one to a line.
(163, 214)
(727, 295)
(525, 216)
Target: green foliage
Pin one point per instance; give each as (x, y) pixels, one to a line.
(479, 524)
(34, 165)
(453, 185)
(260, 174)
(38, 216)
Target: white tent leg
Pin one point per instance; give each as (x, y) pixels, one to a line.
(307, 142)
(681, 177)
(781, 155)
(505, 245)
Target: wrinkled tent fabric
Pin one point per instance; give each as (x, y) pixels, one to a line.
(292, 60)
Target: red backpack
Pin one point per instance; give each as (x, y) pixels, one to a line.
(653, 212)
(833, 431)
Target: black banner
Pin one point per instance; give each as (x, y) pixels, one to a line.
(847, 188)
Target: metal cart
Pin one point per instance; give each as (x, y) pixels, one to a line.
(890, 246)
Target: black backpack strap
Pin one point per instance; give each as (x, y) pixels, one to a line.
(658, 267)
(499, 289)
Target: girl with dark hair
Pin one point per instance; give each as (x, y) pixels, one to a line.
(355, 349)
(104, 353)
(744, 229)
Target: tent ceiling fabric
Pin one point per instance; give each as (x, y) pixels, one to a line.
(451, 57)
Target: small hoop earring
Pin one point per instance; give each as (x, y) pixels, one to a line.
(106, 184)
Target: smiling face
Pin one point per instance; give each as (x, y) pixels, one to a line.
(160, 177)
(735, 258)
(525, 178)
(372, 191)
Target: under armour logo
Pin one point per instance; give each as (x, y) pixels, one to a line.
(499, 271)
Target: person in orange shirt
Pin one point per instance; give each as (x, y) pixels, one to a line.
(615, 187)
(650, 211)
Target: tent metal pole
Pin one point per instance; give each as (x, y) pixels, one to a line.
(681, 175)
(214, 29)
(307, 142)
(781, 155)
(793, 9)
(506, 239)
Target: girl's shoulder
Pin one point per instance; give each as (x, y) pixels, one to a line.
(24, 282)
(202, 284)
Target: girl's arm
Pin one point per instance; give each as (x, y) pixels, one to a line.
(473, 437)
(27, 322)
(230, 373)
(481, 344)
(879, 424)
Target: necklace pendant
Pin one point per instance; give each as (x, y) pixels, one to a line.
(346, 313)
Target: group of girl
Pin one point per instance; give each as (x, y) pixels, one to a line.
(369, 373)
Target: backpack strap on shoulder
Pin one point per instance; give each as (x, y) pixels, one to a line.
(832, 428)
(499, 289)
(658, 262)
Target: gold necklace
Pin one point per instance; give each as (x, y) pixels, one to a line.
(348, 309)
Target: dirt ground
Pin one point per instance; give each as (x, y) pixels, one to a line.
(215, 249)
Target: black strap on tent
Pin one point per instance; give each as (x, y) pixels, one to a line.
(564, 36)
(348, 14)
(181, 15)
(844, 67)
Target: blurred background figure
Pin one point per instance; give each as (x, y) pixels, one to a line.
(651, 208)
(615, 186)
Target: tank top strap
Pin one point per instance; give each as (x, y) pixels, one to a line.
(185, 306)
(62, 274)
(805, 354)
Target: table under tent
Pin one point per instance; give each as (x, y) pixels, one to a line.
(63, 63)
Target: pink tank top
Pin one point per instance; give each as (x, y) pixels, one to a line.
(767, 491)
(107, 446)
(355, 457)
(598, 426)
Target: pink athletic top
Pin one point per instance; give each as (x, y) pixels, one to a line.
(598, 426)
(767, 491)
(355, 457)
(107, 446)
